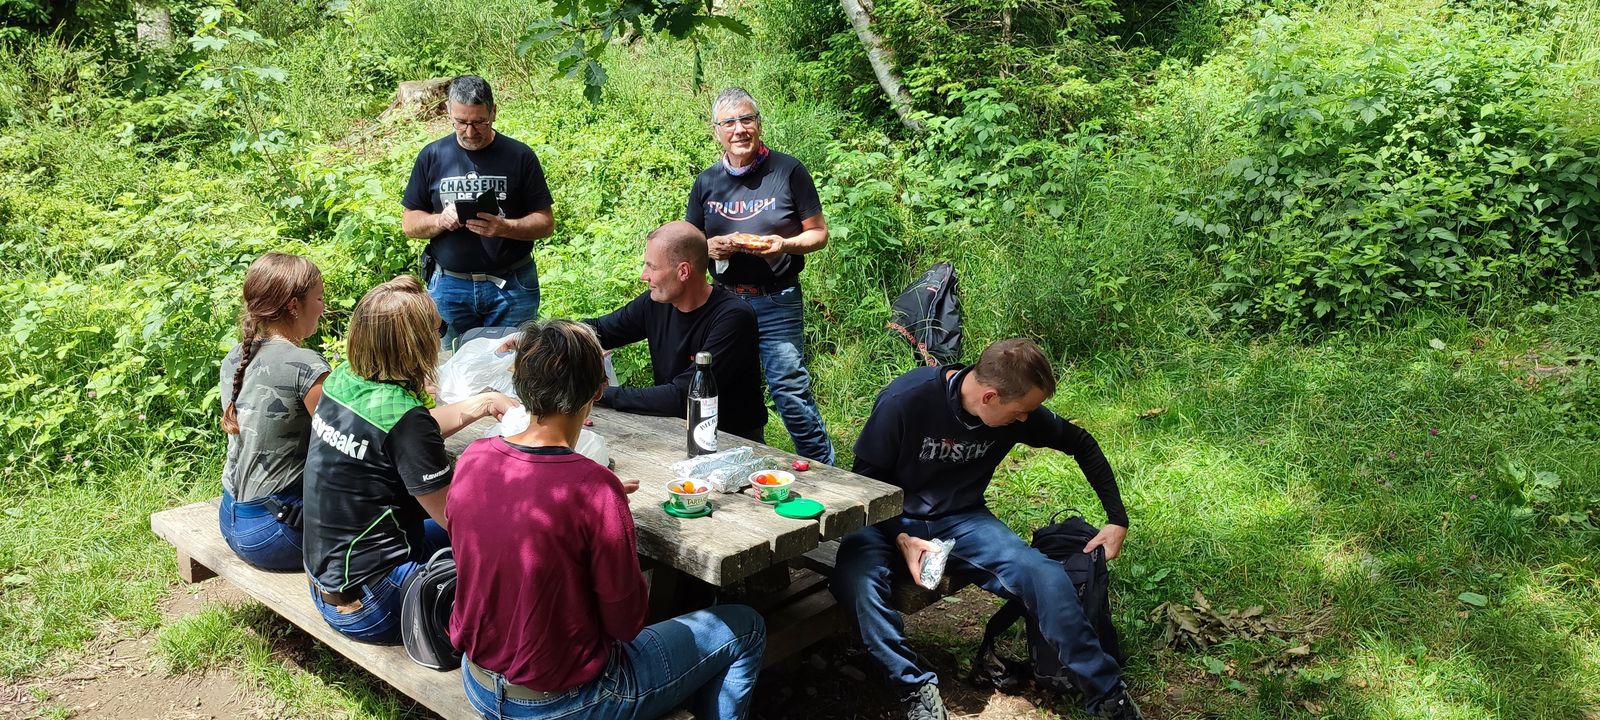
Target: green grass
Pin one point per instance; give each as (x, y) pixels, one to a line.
(250, 640)
(1308, 479)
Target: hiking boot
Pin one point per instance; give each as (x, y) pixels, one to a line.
(925, 704)
(1120, 707)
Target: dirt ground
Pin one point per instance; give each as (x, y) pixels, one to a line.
(121, 678)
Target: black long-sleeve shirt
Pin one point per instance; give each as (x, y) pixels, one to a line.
(725, 327)
(920, 439)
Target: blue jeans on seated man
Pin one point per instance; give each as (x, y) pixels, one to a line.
(780, 317)
(377, 619)
(709, 658)
(256, 536)
(467, 304)
(988, 554)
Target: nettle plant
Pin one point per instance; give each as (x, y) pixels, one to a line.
(1397, 167)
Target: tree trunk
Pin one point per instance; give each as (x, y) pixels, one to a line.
(882, 59)
(153, 25)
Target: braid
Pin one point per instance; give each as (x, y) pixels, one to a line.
(247, 347)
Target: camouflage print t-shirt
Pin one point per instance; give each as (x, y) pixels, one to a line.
(269, 453)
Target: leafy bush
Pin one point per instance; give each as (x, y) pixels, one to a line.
(1397, 166)
(1059, 62)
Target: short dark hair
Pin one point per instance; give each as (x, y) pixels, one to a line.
(1014, 367)
(471, 90)
(558, 367)
(683, 242)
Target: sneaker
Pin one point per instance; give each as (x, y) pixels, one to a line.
(1120, 707)
(925, 704)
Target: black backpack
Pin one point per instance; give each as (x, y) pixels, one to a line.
(1062, 541)
(426, 599)
(928, 315)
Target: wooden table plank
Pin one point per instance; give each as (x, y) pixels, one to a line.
(743, 536)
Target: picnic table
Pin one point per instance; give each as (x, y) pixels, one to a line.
(743, 545)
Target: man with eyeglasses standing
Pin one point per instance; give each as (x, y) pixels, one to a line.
(483, 273)
(761, 215)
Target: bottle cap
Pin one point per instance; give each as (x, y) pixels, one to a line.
(702, 358)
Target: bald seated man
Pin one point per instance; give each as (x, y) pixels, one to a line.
(681, 313)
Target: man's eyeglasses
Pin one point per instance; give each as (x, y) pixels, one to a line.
(750, 120)
(471, 125)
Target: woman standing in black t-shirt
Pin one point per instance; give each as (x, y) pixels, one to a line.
(761, 216)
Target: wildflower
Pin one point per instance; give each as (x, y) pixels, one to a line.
(93, 393)
(1473, 496)
(1433, 432)
(69, 457)
(141, 417)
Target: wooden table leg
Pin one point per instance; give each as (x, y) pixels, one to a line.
(663, 593)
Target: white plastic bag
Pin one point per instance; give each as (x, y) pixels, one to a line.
(473, 369)
(515, 420)
(933, 562)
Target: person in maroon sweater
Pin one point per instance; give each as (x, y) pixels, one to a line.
(550, 602)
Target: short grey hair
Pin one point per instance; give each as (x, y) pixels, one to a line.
(733, 96)
(471, 90)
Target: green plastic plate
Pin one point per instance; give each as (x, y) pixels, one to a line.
(799, 508)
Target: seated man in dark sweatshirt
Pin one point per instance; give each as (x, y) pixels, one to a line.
(681, 314)
(938, 433)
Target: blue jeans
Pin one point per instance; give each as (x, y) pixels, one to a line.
(468, 304)
(781, 320)
(709, 658)
(987, 554)
(255, 534)
(377, 620)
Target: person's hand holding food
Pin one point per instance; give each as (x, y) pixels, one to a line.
(720, 247)
(775, 246)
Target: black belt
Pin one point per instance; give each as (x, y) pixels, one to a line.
(512, 690)
(772, 289)
(288, 514)
(339, 598)
(494, 277)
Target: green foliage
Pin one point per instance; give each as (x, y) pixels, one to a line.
(1060, 63)
(74, 19)
(579, 32)
(1307, 478)
(1398, 166)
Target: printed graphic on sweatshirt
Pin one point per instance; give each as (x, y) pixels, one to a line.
(952, 451)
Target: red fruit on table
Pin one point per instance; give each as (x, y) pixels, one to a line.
(801, 465)
(588, 423)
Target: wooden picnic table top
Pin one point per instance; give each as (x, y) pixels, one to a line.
(742, 536)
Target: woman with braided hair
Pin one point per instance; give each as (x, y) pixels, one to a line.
(269, 387)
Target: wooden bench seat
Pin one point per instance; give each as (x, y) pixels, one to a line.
(202, 553)
(806, 612)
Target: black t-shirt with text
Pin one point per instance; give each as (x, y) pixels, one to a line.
(921, 440)
(725, 327)
(374, 448)
(772, 199)
(446, 172)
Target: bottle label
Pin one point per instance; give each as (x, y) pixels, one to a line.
(705, 435)
(705, 432)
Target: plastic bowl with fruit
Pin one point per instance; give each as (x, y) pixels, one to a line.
(772, 485)
(688, 495)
